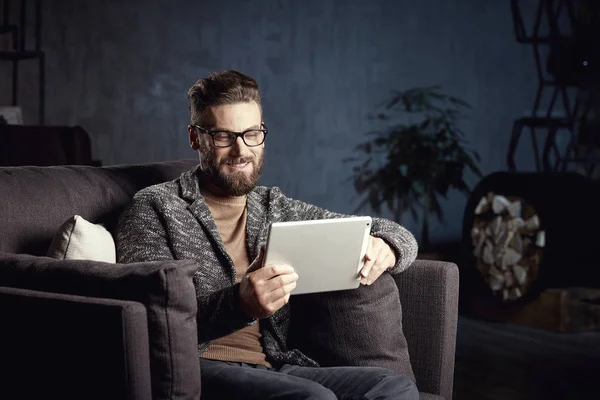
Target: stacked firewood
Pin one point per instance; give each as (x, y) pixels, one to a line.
(508, 244)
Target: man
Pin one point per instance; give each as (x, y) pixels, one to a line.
(217, 215)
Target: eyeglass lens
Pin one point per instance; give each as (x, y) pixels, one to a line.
(251, 138)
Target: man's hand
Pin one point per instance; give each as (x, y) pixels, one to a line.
(264, 290)
(379, 258)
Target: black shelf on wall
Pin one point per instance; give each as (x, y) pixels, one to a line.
(18, 50)
(570, 76)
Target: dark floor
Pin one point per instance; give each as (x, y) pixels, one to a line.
(497, 361)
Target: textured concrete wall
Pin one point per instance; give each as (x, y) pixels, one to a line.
(121, 70)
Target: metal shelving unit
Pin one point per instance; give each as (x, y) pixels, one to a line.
(561, 78)
(19, 51)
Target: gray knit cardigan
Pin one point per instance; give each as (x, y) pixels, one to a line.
(171, 221)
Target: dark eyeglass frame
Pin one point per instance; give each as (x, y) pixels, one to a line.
(212, 134)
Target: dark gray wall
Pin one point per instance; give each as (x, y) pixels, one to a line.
(121, 70)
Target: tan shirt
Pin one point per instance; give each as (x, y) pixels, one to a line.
(230, 216)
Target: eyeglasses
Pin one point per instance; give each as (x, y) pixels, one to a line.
(224, 138)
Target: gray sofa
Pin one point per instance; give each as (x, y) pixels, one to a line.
(83, 329)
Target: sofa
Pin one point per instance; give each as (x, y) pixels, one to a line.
(91, 329)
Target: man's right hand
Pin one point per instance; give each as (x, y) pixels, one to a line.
(264, 290)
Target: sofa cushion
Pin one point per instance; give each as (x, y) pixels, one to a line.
(78, 239)
(39, 199)
(352, 327)
(165, 288)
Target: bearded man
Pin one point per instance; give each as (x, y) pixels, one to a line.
(217, 215)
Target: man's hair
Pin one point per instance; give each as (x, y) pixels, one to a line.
(227, 87)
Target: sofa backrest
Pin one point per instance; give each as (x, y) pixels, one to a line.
(35, 201)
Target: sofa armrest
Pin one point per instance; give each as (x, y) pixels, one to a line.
(165, 288)
(429, 297)
(68, 344)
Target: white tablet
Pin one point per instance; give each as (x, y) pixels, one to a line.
(327, 254)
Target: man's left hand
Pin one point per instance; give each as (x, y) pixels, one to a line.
(379, 258)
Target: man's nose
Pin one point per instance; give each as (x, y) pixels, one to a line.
(239, 147)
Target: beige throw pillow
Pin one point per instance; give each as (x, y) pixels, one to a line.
(78, 239)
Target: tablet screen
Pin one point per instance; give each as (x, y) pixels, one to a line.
(326, 254)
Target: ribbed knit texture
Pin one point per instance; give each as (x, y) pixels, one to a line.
(230, 215)
(171, 220)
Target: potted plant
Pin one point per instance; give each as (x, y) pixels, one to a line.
(418, 156)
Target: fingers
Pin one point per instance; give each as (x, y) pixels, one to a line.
(280, 281)
(379, 267)
(378, 259)
(371, 256)
(269, 277)
(271, 271)
(280, 293)
(368, 264)
(273, 294)
(272, 278)
(267, 289)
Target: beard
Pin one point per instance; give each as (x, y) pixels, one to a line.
(237, 183)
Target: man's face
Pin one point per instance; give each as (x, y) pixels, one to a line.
(233, 170)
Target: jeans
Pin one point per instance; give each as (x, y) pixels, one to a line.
(233, 380)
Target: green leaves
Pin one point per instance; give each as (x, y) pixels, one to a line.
(418, 161)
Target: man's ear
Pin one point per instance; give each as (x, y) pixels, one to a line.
(194, 138)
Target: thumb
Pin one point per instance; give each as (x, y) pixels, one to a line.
(258, 261)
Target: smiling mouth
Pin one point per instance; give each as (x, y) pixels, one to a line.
(237, 165)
